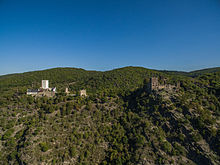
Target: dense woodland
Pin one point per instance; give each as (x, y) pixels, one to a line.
(120, 122)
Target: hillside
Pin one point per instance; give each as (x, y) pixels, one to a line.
(120, 122)
(205, 71)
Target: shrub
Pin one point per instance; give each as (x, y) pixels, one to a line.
(167, 147)
(72, 151)
(179, 149)
(181, 137)
(44, 146)
(7, 134)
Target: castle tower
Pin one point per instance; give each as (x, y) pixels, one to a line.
(67, 91)
(178, 85)
(154, 84)
(45, 84)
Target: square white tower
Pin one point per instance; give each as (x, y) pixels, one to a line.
(45, 84)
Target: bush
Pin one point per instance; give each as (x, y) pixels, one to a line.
(181, 137)
(12, 156)
(196, 137)
(72, 151)
(167, 147)
(179, 149)
(44, 146)
(7, 134)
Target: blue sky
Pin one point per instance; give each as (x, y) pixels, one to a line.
(107, 34)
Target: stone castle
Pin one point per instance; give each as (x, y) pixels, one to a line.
(44, 90)
(154, 85)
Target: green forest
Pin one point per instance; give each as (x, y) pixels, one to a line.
(119, 122)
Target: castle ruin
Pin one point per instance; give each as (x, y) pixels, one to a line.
(154, 85)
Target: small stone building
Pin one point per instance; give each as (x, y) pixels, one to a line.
(82, 92)
(32, 92)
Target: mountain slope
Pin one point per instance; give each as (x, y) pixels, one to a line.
(120, 122)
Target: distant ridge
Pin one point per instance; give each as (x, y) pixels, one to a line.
(195, 72)
(204, 71)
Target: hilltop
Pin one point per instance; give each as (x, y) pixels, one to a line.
(120, 122)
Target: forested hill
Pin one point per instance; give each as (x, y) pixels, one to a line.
(205, 71)
(123, 77)
(128, 77)
(120, 122)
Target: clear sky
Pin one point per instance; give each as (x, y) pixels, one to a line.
(107, 34)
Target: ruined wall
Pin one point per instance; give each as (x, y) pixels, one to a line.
(155, 85)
